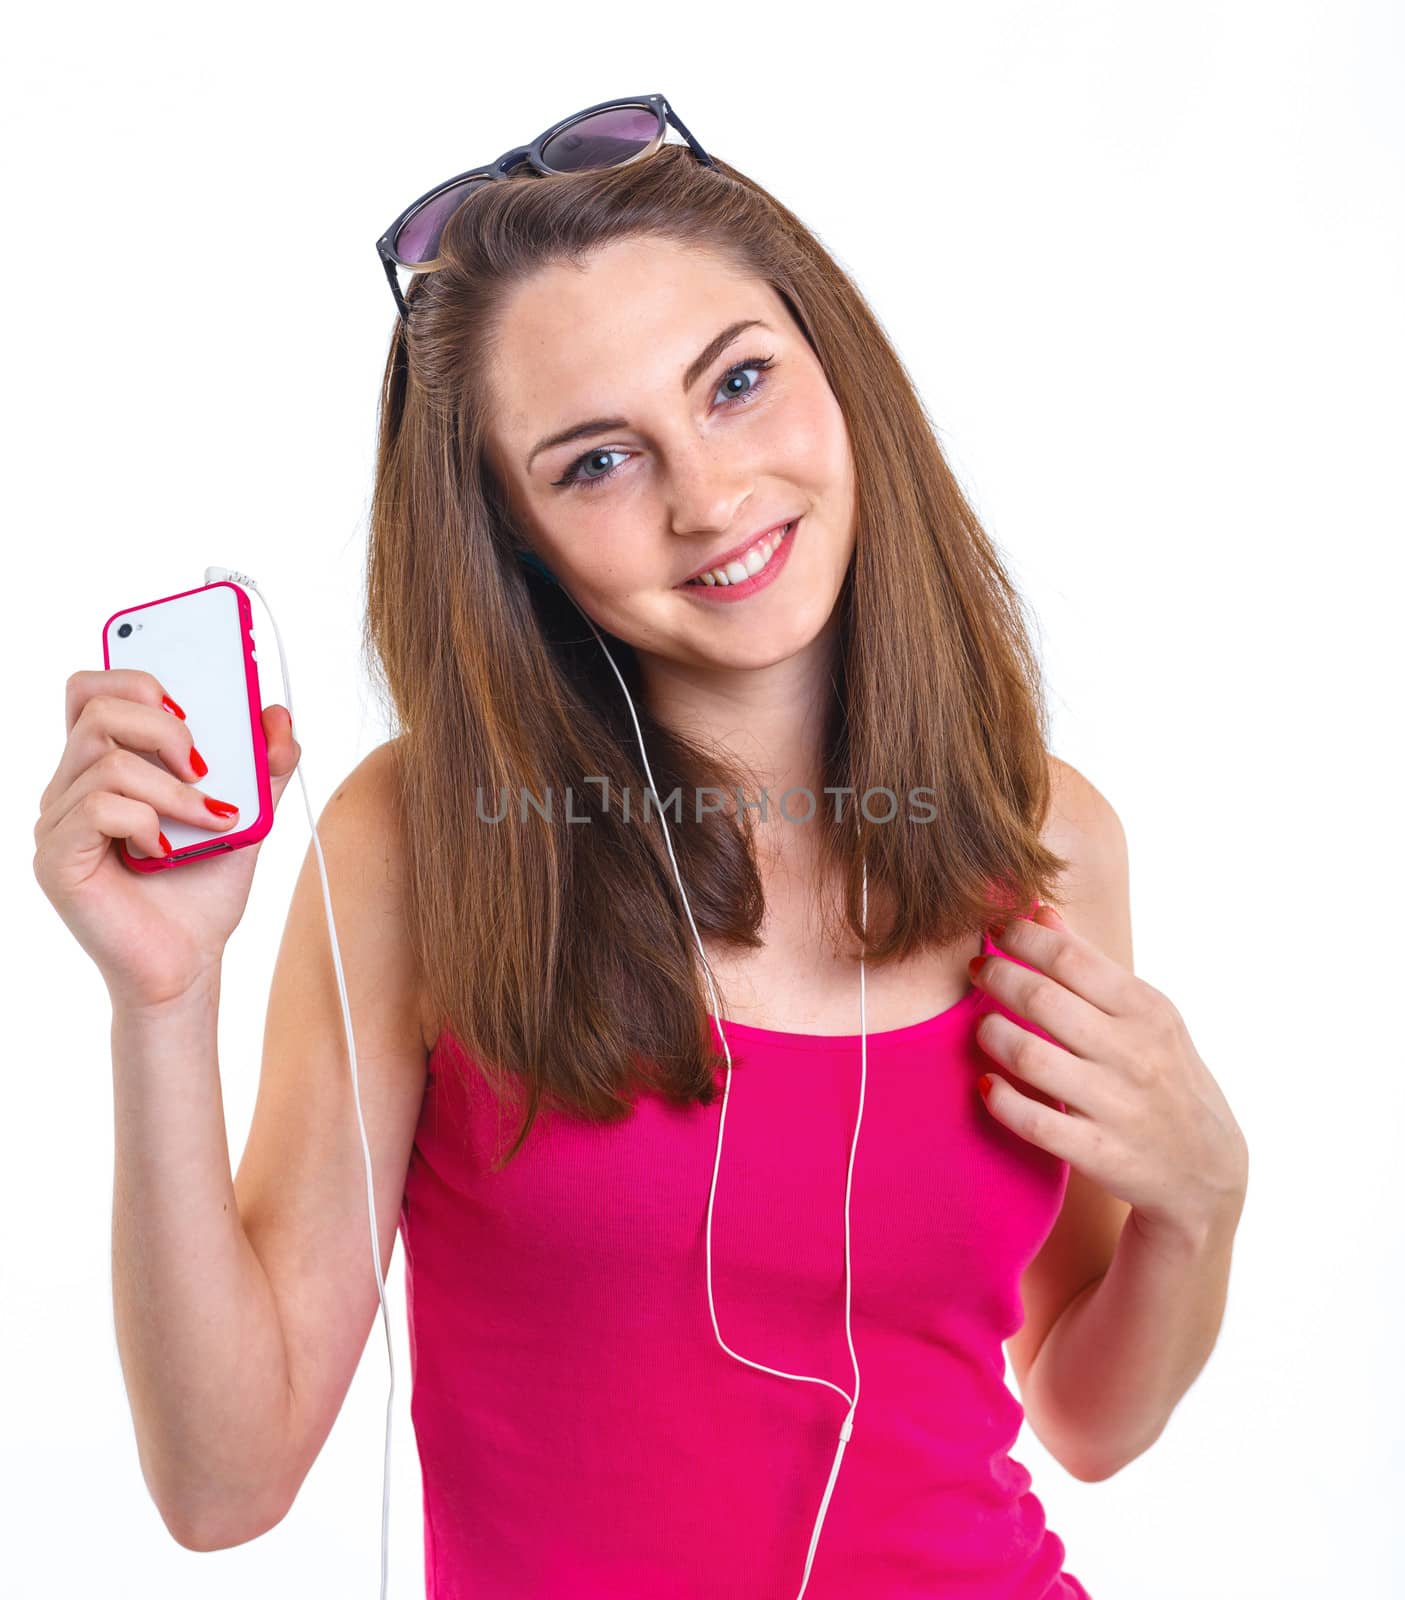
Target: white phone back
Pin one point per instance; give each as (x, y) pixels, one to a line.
(200, 646)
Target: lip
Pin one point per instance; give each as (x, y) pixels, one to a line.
(730, 594)
(736, 552)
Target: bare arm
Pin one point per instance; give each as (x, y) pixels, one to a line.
(1120, 1358)
(197, 1327)
(243, 1305)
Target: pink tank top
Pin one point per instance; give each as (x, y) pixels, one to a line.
(582, 1433)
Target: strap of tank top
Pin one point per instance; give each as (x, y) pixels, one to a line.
(988, 944)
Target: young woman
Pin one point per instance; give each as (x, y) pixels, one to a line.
(660, 526)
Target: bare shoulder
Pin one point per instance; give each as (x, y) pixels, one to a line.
(368, 803)
(1078, 810)
(1084, 827)
(1092, 898)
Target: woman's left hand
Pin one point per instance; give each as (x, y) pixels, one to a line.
(1144, 1117)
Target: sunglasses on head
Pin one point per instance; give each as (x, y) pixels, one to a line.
(612, 134)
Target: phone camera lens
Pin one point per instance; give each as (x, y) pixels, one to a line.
(124, 630)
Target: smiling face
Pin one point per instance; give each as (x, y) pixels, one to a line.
(699, 418)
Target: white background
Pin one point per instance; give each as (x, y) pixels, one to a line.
(1145, 265)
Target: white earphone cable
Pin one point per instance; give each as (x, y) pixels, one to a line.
(216, 574)
(847, 1429)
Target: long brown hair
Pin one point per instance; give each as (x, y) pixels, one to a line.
(558, 955)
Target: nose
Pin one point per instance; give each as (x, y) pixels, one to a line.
(709, 496)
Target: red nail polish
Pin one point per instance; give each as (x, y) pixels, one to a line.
(974, 965)
(197, 761)
(221, 808)
(167, 704)
(165, 843)
(983, 1083)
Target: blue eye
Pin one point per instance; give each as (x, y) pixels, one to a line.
(572, 479)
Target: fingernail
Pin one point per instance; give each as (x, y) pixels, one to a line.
(975, 964)
(198, 762)
(996, 930)
(983, 1083)
(165, 843)
(167, 704)
(221, 808)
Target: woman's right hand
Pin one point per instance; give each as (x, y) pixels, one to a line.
(153, 935)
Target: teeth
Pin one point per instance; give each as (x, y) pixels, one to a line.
(746, 566)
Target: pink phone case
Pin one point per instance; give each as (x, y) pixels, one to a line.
(199, 644)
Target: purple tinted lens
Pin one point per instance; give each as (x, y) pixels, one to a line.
(603, 140)
(418, 238)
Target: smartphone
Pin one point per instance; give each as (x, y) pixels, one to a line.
(200, 644)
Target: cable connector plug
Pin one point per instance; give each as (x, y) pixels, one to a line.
(228, 574)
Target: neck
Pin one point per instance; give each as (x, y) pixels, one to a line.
(771, 719)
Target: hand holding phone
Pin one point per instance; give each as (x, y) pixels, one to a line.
(126, 775)
(200, 645)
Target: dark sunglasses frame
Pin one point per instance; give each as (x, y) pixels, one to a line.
(532, 155)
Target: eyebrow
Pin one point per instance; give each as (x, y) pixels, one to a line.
(704, 359)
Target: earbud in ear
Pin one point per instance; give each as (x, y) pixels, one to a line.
(528, 558)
